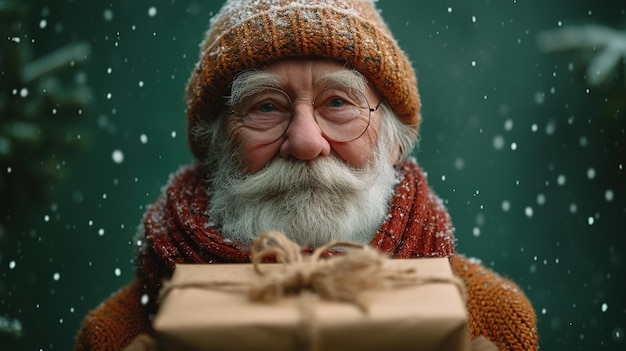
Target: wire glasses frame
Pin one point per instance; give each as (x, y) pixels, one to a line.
(342, 113)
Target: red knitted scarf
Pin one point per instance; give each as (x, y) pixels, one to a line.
(177, 228)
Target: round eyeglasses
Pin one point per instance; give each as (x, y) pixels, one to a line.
(342, 113)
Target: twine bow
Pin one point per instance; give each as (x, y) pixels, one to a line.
(341, 278)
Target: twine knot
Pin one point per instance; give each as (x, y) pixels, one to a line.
(341, 278)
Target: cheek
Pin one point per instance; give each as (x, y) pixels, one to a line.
(255, 157)
(361, 151)
(357, 153)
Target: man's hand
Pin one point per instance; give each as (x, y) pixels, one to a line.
(143, 342)
(481, 343)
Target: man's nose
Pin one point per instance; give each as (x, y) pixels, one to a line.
(304, 138)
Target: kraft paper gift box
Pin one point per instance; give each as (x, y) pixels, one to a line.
(426, 317)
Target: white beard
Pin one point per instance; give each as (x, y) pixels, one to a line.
(312, 202)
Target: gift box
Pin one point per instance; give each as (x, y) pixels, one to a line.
(205, 309)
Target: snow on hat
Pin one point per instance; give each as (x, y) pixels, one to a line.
(248, 34)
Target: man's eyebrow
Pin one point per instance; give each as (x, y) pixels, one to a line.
(344, 77)
(251, 82)
(258, 78)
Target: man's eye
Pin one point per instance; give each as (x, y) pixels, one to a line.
(336, 102)
(267, 107)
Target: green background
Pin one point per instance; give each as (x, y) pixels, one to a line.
(484, 83)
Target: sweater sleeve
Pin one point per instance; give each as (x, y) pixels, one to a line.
(498, 309)
(115, 323)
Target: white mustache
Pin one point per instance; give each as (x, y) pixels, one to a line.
(325, 175)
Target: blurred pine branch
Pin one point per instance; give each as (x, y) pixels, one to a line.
(38, 118)
(600, 52)
(38, 112)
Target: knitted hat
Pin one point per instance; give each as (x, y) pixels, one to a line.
(251, 33)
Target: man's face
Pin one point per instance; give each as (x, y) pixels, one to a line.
(302, 80)
(300, 180)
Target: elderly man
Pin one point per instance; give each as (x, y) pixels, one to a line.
(302, 116)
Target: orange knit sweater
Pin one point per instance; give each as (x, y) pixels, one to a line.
(177, 230)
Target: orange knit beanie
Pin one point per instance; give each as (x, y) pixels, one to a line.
(248, 34)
